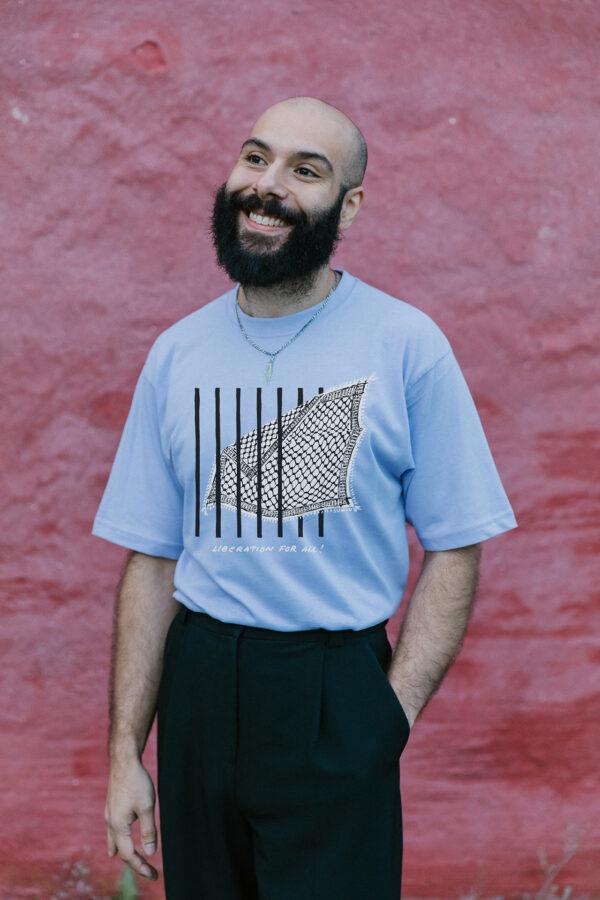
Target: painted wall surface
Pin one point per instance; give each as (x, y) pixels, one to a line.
(118, 120)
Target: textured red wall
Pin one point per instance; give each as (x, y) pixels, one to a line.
(118, 120)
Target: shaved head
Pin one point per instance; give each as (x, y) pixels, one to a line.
(330, 121)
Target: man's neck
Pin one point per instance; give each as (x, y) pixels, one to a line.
(288, 297)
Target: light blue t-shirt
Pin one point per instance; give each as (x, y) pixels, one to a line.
(285, 501)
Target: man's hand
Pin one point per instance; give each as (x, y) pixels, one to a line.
(131, 796)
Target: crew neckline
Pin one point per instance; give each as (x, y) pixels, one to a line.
(283, 326)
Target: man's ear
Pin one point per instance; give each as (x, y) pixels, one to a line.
(351, 206)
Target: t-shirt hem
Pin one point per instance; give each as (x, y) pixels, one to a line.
(137, 542)
(473, 535)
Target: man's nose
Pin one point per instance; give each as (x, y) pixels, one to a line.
(271, 181)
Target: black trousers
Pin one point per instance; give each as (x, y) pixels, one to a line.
(278, 764)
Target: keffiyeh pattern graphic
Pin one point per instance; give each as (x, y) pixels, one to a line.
(296, 464)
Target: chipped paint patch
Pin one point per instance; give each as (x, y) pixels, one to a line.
(18, 115)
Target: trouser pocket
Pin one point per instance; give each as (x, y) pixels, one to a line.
(362, 726)
(378, 654)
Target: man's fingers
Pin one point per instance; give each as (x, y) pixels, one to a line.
(148, 830)
(129, 855)
(143, 868)
(112, 847)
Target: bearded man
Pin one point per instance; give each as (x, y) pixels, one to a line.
(279, 440)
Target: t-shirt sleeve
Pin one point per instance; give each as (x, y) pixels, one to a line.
(453, 495)
(142, 506)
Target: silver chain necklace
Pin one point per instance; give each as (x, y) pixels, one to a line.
(273, 355)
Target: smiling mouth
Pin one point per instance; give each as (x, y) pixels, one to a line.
(266, 223)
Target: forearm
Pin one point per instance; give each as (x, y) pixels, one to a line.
(434, 625)
(144, 611)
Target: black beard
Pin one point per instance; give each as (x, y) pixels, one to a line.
(252, 260)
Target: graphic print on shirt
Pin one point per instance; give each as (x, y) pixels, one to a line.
(293, 465)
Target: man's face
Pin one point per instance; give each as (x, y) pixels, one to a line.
(277, 218)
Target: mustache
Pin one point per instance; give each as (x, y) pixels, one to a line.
(271, 206)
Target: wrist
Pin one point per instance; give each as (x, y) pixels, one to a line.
(124, 748)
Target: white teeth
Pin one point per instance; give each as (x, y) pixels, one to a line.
(266, 220)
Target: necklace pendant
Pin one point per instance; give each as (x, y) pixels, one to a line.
(319, 309)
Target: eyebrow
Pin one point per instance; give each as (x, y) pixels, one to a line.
(298, 154)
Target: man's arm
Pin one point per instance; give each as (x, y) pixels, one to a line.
(434, 625)
(143, 613)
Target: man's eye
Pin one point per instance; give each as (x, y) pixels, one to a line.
(255, 159)
(303, 171)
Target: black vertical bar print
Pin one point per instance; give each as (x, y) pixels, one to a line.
(197, 430)
(279, 464)
(321, 513)
(238, 451)
(258, 463)
(300, 519)
(218, 462)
